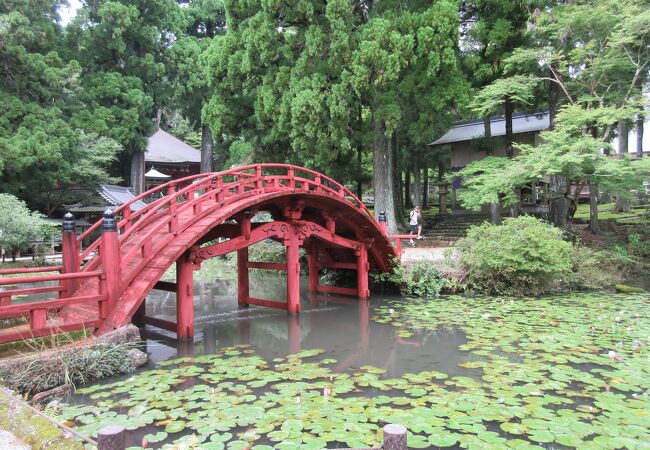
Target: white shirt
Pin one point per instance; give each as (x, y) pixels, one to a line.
(413, 217)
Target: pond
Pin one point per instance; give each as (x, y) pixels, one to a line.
(458, 372)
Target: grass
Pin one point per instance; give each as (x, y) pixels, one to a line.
(41, 343)
(605, 212)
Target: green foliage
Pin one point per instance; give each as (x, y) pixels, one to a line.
(420, 279)
(18, 225)
(593, 269)
(524, 255)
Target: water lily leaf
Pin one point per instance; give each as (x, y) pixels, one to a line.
(175, 426)
(156, 437)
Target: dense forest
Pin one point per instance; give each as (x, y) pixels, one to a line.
(356, 89)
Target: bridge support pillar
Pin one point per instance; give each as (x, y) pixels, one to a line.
(243, 287)
(184, 298)
(293, 274)
(362, 271)
(70, 249)
(313, 267)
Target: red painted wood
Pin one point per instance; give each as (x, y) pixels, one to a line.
(312, 262)
(70, 250)
(110, 254)
(47, 331)
(37, 318)
(20, 309)
(293, 273)
(362, 272)
(184, 298)
(152, 237)
(43, 278)
(242, 277)
(267, 303)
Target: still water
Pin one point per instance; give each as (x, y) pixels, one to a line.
(567, 371)
(339, 325)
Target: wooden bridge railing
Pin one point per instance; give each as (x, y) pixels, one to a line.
(37, 311)
(219, 186)
(176, 197)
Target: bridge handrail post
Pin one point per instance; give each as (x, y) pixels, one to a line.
(258, 177)
(110, 256)
(70, 250)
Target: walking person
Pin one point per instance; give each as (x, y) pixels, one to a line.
(414, 222)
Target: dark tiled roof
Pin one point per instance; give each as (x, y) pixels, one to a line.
(162, 147)
(118, 195)
(521, 123)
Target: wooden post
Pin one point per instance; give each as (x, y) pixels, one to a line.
(313, 267)
(70, 247)
(109, 251)
(184, 298)
(398, 248)
(111, 437)
(293, 273)
(243, 287)
(362, 271)
(394, 437)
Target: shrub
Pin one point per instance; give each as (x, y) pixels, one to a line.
(522, 256)
(420, 279)
(593, 269)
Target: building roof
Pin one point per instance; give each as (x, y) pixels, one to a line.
(162, 147)
(154, 174)
(521, 123)
(118, 195)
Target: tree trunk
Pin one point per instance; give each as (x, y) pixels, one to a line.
(509, 107)
(495, 215)
(622, 139)
(487, 131)
(206, 149)
(553, 97)
(407, 188)
(382, 175)
(137, 173)
(425, 187)
(397, 177)
(558, 202)
(639, 136)
(593, 208)
(417, 187)
(622, 204)
(158, 118)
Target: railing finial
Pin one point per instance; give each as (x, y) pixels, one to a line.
(109, 223)
(69, 224)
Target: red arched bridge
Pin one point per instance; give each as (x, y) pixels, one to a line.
(186, 222)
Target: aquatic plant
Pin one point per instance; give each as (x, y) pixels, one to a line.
(565, 370)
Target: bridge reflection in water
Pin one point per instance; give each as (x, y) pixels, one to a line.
(340, 325)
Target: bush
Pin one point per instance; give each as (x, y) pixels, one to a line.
(522, 256)
(594, 269)
(420, 279)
